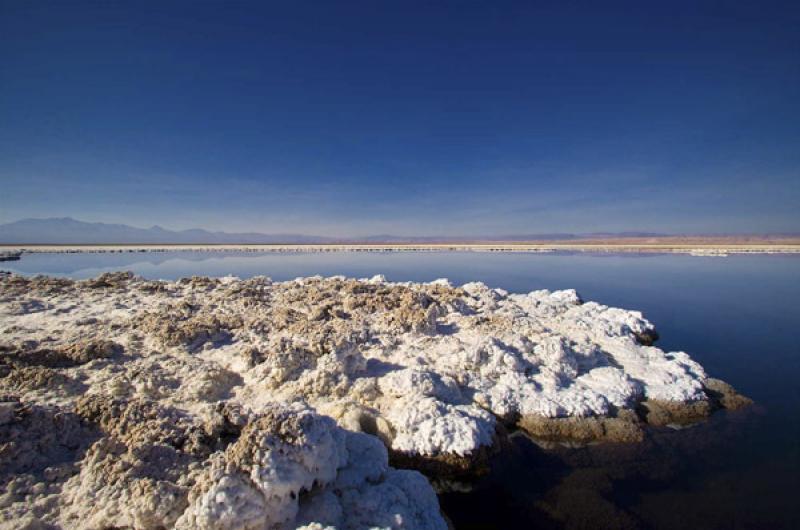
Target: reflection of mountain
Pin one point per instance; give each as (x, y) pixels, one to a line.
(71, 263)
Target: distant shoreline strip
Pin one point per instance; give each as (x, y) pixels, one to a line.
(697, 250)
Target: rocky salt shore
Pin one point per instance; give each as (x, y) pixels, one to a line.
(249, 404)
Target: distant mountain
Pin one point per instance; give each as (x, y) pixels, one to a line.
(61, 231)
(70, 231)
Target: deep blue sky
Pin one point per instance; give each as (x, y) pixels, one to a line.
(435, 118)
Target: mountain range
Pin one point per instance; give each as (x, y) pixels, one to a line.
(71, 231)
(67, 230)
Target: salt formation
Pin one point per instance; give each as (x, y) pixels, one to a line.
(227, 403)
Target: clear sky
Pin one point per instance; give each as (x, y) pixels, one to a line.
(430, 118)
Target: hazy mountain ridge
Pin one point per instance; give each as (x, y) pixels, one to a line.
(67, 230)
(71, 231)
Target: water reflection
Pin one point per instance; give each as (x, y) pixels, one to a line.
(706, 476)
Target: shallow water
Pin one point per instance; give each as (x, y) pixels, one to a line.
(738, 316)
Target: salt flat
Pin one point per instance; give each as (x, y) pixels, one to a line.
(228, 403)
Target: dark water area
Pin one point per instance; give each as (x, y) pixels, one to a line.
(739, 316)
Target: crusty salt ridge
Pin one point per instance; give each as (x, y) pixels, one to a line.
(137, 464)
(174, 393)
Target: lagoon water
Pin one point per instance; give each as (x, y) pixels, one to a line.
(739, 316)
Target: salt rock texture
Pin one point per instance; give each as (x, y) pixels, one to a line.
(228, 403)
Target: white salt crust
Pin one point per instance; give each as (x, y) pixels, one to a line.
(429, 368)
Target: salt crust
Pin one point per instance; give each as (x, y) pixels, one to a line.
(214, 403)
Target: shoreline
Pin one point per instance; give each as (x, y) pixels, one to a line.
(705, 249)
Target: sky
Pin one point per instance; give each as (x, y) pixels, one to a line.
(407, 118)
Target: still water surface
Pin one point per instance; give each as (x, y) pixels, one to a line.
(739, 316)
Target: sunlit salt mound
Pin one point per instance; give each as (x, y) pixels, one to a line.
(227, 403)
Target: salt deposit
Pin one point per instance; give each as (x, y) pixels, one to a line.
(227, 403)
